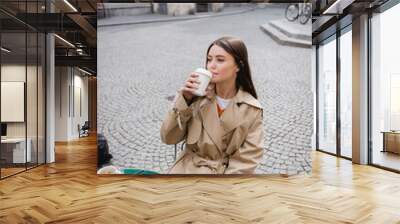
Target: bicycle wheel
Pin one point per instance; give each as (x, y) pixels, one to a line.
(292, 12)
(305, 15)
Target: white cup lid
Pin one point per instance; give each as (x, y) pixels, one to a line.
(204, 71)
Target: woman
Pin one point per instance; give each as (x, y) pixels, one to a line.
(223, 130)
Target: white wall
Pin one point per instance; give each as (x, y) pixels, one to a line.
(79, 117)
(14, 73)
(67, 115)
(179, 9)
(217, 7)
(17, 73)
(12, 101)
(33, 126)
(62, 81)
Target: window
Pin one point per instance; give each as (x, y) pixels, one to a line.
(346, 75)
(385, 88)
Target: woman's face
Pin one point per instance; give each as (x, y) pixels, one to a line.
(221, 64)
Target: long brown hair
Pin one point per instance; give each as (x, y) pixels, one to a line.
(235, 47)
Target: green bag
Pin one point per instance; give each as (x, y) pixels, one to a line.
(138, 171)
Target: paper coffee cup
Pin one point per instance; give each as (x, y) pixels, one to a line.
(204, 78)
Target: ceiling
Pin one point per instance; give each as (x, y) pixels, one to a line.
(331, 15)
(74, 21)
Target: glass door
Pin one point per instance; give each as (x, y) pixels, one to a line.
(22, 87)
(14, 152)
(327, 96)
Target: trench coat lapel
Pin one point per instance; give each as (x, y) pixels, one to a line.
(234, 114)
(211, 122)
(232, 117)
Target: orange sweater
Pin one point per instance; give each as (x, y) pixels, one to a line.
(220, 110)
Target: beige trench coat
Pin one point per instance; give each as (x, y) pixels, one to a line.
(230, 144)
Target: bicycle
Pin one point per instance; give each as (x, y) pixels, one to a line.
(301, 11)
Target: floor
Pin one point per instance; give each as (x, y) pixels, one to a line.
(10, 171)
(69, 191)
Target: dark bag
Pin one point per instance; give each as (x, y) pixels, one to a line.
(103, 153)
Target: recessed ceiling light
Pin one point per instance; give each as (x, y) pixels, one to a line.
(70, 5)
(64, 40)
(337, 7)
(86, 72)
(5, 49)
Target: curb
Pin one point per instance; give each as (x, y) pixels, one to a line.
(281, 38)
(288, 31)
(178, 18)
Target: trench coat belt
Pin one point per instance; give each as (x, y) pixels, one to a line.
(178, 117)
(213, 164)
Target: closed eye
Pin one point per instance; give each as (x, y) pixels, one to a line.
(219, 59)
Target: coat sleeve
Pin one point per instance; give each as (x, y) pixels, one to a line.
(174, 126)
(246, 159)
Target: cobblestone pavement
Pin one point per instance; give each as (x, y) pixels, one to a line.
(140, 66)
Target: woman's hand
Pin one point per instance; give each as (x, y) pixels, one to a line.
(191, 85)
